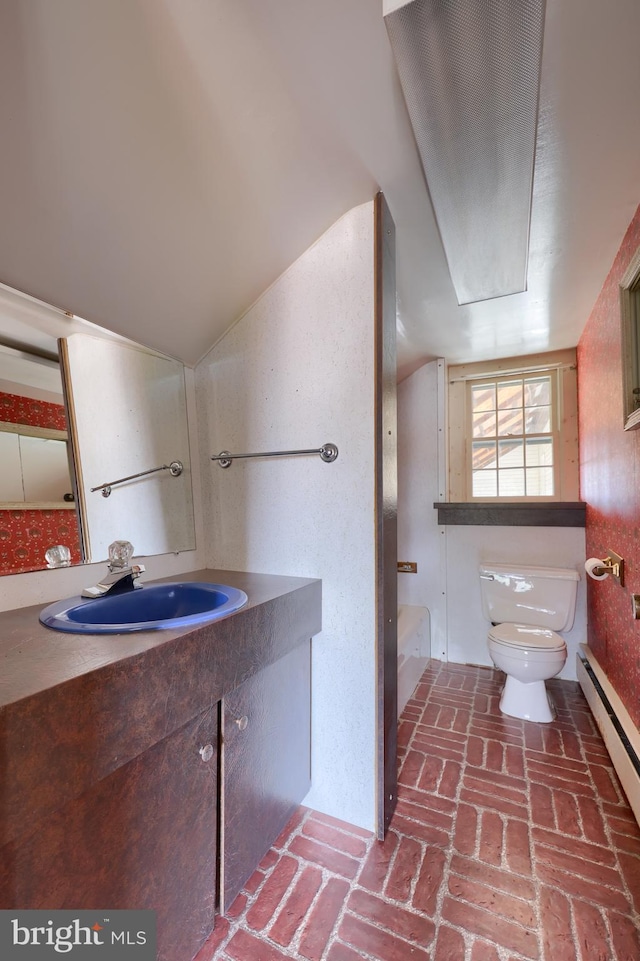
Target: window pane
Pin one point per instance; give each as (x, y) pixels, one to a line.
(485, 483)
(537, 392)
(538, 420)
(539, 452)
(483, 398)
(484, 425)
(510, 453)
(539, 481)
(483, 454)
(510, 394)
(511, 483)
(510, 422)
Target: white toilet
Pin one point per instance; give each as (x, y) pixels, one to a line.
(526, 606)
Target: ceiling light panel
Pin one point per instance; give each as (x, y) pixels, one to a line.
(470, 73)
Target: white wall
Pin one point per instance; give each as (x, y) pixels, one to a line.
(297, 371)
(419, 537)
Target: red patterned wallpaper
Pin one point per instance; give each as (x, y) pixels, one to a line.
(38, 413)
(25, 535)
(610, 484)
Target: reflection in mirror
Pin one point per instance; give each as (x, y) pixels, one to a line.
(630, 330)
(128, 416)
(37, 509)
(137, 408)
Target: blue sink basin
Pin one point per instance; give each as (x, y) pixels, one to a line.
(148, 608)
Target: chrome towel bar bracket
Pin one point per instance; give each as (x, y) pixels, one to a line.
(328, 453)
(175, 468)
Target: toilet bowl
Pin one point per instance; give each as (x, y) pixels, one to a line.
(529, 656)
(526, 607)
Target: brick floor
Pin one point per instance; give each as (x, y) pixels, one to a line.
(511, 841)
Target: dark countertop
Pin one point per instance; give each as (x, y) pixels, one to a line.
(74, 707)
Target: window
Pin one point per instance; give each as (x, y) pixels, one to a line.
(513, 433)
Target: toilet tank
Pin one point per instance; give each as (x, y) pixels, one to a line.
(543, 596)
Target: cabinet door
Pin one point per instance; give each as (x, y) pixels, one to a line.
(143, 837)
(266, 763)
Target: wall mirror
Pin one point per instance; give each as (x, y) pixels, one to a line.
(630, 329)
(122, 411)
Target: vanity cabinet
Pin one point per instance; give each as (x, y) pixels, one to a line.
(143, 837)
(121, 758)
(265, 764)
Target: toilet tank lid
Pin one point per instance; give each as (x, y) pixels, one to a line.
(553, 573)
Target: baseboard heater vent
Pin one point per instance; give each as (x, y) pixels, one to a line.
(618, 731)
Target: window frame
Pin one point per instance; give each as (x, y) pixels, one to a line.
(561, 366)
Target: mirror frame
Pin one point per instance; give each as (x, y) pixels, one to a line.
(630, 334)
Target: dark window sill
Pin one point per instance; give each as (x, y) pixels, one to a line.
(547, 514)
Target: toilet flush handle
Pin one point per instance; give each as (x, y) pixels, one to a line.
(487, 577)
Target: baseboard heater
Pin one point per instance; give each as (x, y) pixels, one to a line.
(620, 734)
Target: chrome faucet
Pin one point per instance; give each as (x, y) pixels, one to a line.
(122, 574)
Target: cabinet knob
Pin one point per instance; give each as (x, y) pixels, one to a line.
(241, 722)
(206, 752)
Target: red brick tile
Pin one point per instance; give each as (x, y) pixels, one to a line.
(572, 846)
(405, 732)
(606, 783)
(631, 871)
(450, 779)
(514, 761)
(296, 906)
(412, 768)
(291, 826)
(497, 902)
(430, 878)
(542, 806)
(558, 765)
(495, 877)
(497, 930)
(590, 870)
(403, 869)
(334, 838)
(322, 919)
(430, 774)
(466, 829)
(341, 825)
(341, 952)
(591, 930)
(571, 745)
(518, 847)
(406, 924)
(621, 819)
(374, 872)
(491, 786)
(482, 951)
(581, 888)
(254, 882)
(246, 947)
(497, 782)
(210, 947)
(592, 823)
(495, 803)
(486, 730)
(625, 936)
(237, 907)
(566, 811)
(491, 834)
(495, 756)
(378, 944)
(624, 843)
(423, 811)
(461, 722)
(449, 946)
(533, 737)
(475, 751)
(273, 889)
(556, 933)
(420, 831)
(326, 857)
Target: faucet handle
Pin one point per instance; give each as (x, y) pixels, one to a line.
(120, 554)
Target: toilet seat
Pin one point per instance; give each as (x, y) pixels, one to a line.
(525, 637)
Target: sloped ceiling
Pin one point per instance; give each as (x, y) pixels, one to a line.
(163, 161)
